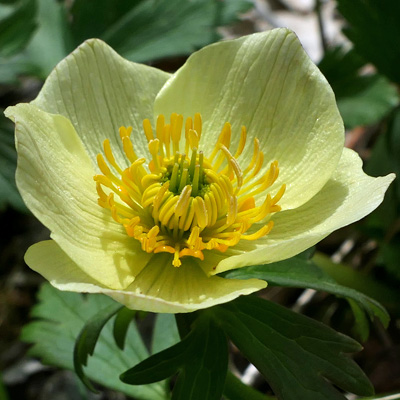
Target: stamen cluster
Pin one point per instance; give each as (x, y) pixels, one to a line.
(184, 202)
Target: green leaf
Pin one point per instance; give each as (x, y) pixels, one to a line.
(139, 30)
(296, 355)
(385, 157)
(17, 28)
(3, 391)
(201, 359)
(8, 163)
(342, 69)
(87, 339)
(13, 67)
(348, 277)
(362, 99)
(301, 273)
(390, 253)
(50, 43)
(369, 105)
(235, 389)
(121, 324)
(153, 29)
(165, 333)
(361, 326)
(108, 13)
(60, 316)
(374, 30)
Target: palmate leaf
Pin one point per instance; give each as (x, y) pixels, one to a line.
(296, 355)
(60, 316)
(201, 360)
(302, 273)
(87, 339)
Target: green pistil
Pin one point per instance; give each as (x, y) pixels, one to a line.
(182, 163)
(201, 157)
(184, 180)
(173, 182)
(195, 182)
(192, 163)
(183, 173)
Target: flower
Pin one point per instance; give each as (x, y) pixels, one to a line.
(152, 184)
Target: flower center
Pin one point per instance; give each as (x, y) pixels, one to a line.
(184, 202)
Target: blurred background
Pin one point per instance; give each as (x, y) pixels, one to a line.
(355, 43)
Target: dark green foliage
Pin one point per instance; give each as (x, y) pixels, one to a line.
(296, 354)
(8, 163)
(374, 29)
(121, 324)
(139, 30)
(17, 28)
(60, 316)
(87, 339)
(361, 99)
(201, 360)
(302, 273)
(384, 223)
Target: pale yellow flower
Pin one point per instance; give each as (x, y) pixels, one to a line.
(152, 184)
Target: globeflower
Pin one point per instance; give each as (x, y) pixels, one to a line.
(153, 184)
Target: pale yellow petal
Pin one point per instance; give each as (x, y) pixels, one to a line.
(266, 82)
(347, 197)
(160, 287)
(99, 91)
(55, 179)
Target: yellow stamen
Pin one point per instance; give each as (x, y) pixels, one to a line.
(110, 156)
(186, 203)
(197, 123)
(125, 132)
(160, 127)
(148, 131)
(128, 149)
(260, 233)
(242, 142)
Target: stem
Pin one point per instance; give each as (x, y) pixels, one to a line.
(235, 389)
(318, 5)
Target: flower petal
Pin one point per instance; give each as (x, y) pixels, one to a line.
(158, 288)
(55, 179)
(349, 196)
(266, 82)
(99, 91)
